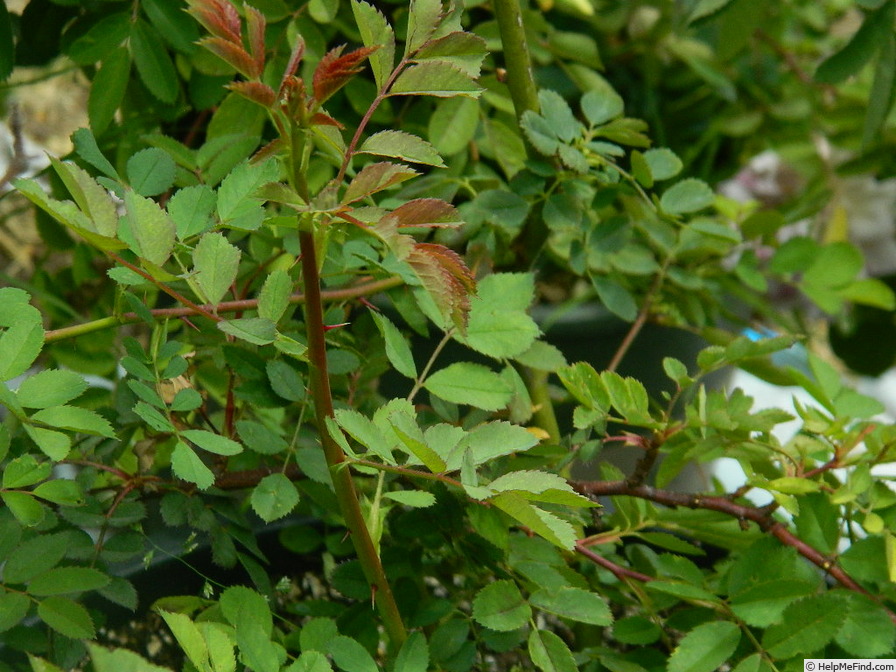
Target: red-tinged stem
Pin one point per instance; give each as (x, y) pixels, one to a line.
(343, 484)
(331, 295)
(619, 571)
(761, 515)
(195, 308)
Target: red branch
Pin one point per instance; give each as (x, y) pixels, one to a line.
(761, 515)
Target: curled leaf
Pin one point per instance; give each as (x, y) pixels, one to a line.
(335, 69)
(218, 17)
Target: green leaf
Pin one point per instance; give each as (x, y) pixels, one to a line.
(705, 8)
(423, 18)
(375, 177)
(434, 78)
(540, 133)
(573, 603)
(868, 632)
(705, 647)
(107, 89)
(86, 147)
(173, 24)
(273, 299)
(473, 384)
(418, 447)
(62, 492)
(498, 325)
(636, 630)
(414, 498)
(151, 171)
(763, 603)
(23, 337)
(242, 605)
(600, 107)
(153, 63)
(860, 48)
(274, 497)
(75, 419)
(400, 145)
(549, 653)
(93, 200)
(413, 655)
(350, 655)
(686, 196)
(67, 580)
(25, 470)
(213, 443)
(259, 438)
(216, 263)
(640, 169)
(255, 330)
(883, 88)
(558, 114)
(806, 626)
(376, 32)
(491, 440)
(553, 528)
(188, 466)
(663, 163)
(66, 617)
(453, 125)
(35, 556)
(617, 299)
(235, 195)
(13, 608)
(151, 230)
(501, 606)
(398, 350)
(120, 660)
(53, 444)
(189, 637)
(192, 210)
(310, 661)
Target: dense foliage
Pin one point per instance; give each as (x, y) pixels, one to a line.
(289, 335)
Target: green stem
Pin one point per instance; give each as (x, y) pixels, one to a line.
(545, 417)
(343, 484)
(517, 60)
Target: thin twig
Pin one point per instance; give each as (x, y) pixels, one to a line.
(761, 515)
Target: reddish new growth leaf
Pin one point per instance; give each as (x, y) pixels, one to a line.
(334, 70)
(218, 17)
(255, 91)
(232, 54)
(255, 22)
(295, 58)
(447, 278)
(427, 212)
(321, 119)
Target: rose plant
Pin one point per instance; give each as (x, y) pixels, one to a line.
(260, 224)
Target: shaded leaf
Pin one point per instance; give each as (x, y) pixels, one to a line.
(151, 171)
(501, 606)
(153, 62)
(400, 145)
(274, 497)
(66, 617)
(705, 647)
